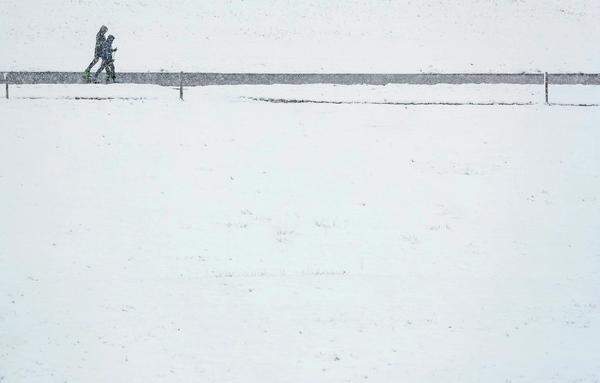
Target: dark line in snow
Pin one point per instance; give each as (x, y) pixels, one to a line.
(261, 274)
(76, 98)
(307, 101)
(561, 104)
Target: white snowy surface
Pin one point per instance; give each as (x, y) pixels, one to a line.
(305, 36)
(392, 93)
(221, 239)
(574, 94)
(92, 91)
(399, 93)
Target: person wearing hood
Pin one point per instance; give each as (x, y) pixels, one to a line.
(100, 40)
(106, 54)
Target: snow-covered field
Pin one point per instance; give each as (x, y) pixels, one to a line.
(305, 36)
(320, 93)
(222, 239)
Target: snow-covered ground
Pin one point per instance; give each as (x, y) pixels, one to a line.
(391, 93)
(221, 239)
(305, 36)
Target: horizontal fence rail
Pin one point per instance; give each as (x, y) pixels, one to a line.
(200, 79)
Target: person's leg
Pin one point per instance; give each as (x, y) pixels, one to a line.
(102, 66)
(94, 61)
(113, 75)
(108, 73)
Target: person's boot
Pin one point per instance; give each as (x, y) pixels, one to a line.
(87, 76)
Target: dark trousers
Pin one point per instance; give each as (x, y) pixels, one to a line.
(94, 61)
(109, 65)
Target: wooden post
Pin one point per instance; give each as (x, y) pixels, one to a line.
(6, 81)
(181, 85)
(546, 86)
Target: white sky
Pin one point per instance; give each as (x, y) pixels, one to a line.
(306, 36)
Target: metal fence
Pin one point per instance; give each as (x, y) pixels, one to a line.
(182, 79)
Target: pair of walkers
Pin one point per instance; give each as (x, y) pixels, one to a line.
(103, 51)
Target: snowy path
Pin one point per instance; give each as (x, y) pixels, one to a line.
(222, 239)
(202, 79)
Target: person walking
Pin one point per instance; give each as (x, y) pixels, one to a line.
(100, 40)
(108, 63)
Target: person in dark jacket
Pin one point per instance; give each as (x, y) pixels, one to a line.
(100, 39)
(106, 54)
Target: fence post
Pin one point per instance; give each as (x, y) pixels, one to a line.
(6, 81)
(546, 86)
(181, 85)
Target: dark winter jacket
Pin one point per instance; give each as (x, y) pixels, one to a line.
(107, 49)
(100, 39)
